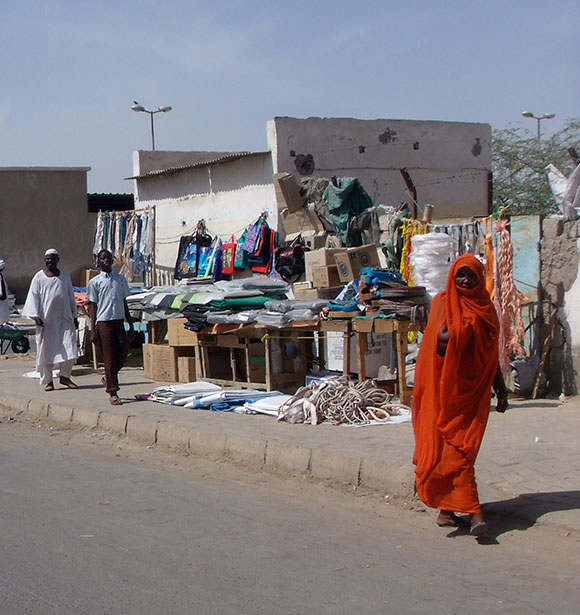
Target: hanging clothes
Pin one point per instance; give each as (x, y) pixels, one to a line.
(128, 235)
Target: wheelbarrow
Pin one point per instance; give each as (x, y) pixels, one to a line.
(13, 337)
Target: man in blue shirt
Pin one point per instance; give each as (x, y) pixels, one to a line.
(108, 309)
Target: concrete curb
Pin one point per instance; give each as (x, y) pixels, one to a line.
(272, 456)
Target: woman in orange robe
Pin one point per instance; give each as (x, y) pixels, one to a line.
(456, 367)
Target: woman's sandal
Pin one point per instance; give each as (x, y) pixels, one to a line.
(49, 387)
(115, 400)
(451, 520)
(478, 529)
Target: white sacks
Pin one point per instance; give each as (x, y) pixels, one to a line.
(431, 257)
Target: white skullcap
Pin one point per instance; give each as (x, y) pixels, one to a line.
(51, 251)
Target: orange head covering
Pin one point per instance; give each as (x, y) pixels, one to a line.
(452, 393)
(472, 352)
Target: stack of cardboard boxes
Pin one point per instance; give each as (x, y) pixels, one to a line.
(327, 270)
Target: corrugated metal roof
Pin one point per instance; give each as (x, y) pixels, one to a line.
(198, 165)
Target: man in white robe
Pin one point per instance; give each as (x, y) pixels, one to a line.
(51, 304)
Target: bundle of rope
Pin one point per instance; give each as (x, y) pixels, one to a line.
(489, 261)
(508, 299)
(339, 401)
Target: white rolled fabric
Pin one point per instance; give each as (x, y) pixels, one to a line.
(431, 257)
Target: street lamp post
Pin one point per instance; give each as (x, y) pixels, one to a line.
(546, 116)
(141, 109)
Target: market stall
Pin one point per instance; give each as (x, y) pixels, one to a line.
(252, 311)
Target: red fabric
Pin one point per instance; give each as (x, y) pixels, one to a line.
(452, 394)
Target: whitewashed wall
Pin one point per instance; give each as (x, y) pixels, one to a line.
(228, 196)
(449, 162)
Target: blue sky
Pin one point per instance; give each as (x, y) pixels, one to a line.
(72, 68)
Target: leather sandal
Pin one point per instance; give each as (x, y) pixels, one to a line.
(478, 529)
(68, 383)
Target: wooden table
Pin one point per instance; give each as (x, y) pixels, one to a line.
(240, 342)
(275, 337)
(364, 326)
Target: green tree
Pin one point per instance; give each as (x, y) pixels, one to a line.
(519, 161)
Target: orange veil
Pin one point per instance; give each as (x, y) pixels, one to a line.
(452, 393)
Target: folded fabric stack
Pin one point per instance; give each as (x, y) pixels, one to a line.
(389, 296)
(280, 313)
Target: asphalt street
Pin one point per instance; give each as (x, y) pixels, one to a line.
(102, 525)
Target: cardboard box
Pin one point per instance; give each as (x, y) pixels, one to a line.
(160, 361)
(380, 352)
(186, 370)
(178, 335)
(296, 223)
(325, 277)
(311, 239)
(351, 261)
(320, 258)
(287, 192)
(318, 293)
(257, 366)
(313, 218)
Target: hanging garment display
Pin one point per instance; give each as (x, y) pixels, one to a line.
(240, 256)
(228, 256)
(252, 236)
(128, 235)
(289, 260)
(193, 252)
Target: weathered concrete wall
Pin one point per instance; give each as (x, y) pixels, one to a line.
(228, 196)
(449, 162)
(44, 208)
(561, 283)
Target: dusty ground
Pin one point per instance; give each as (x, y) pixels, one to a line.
(552, 541)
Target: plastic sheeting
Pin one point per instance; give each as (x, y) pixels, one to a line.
(431, 258)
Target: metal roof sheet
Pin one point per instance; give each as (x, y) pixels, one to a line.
(198, 165)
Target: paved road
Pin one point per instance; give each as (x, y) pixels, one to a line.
(111, 527)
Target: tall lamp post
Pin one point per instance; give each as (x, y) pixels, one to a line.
(141, 109)
(546, 116)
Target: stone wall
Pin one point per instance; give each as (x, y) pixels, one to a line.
(560, 249)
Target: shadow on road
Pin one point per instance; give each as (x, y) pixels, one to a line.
(521, 513)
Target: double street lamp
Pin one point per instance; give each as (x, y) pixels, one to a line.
(546, 116)
(141, 109)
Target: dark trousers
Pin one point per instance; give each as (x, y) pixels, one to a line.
(114, 346)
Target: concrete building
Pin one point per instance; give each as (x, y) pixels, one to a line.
(448, 162)
(44, 207)
(226, 189)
